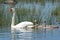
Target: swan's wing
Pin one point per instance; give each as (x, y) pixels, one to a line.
(24, 24)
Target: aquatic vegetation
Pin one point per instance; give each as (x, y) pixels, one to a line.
(2, 1)
(27, 14)
(31, 13)
(56, 12)
(4, 17)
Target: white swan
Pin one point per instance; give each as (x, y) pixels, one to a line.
(20, 25)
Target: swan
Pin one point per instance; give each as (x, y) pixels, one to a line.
(21, 25)
(28, 24)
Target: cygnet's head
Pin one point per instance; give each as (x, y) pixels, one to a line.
(35, 20)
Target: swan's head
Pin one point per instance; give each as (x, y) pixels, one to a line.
(12, 9)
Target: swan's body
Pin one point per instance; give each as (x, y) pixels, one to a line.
(23, 24)
(26, 24)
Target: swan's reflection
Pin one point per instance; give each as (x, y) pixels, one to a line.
(29, 34)
(22, 34)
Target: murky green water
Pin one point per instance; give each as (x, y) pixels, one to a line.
(45, 10)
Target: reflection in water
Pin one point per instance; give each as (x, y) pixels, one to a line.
(34, 35)
(5, 36)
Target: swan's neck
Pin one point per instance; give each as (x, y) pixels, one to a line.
(13, 18)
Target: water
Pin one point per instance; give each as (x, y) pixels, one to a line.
(37, 34)
(45, 9)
